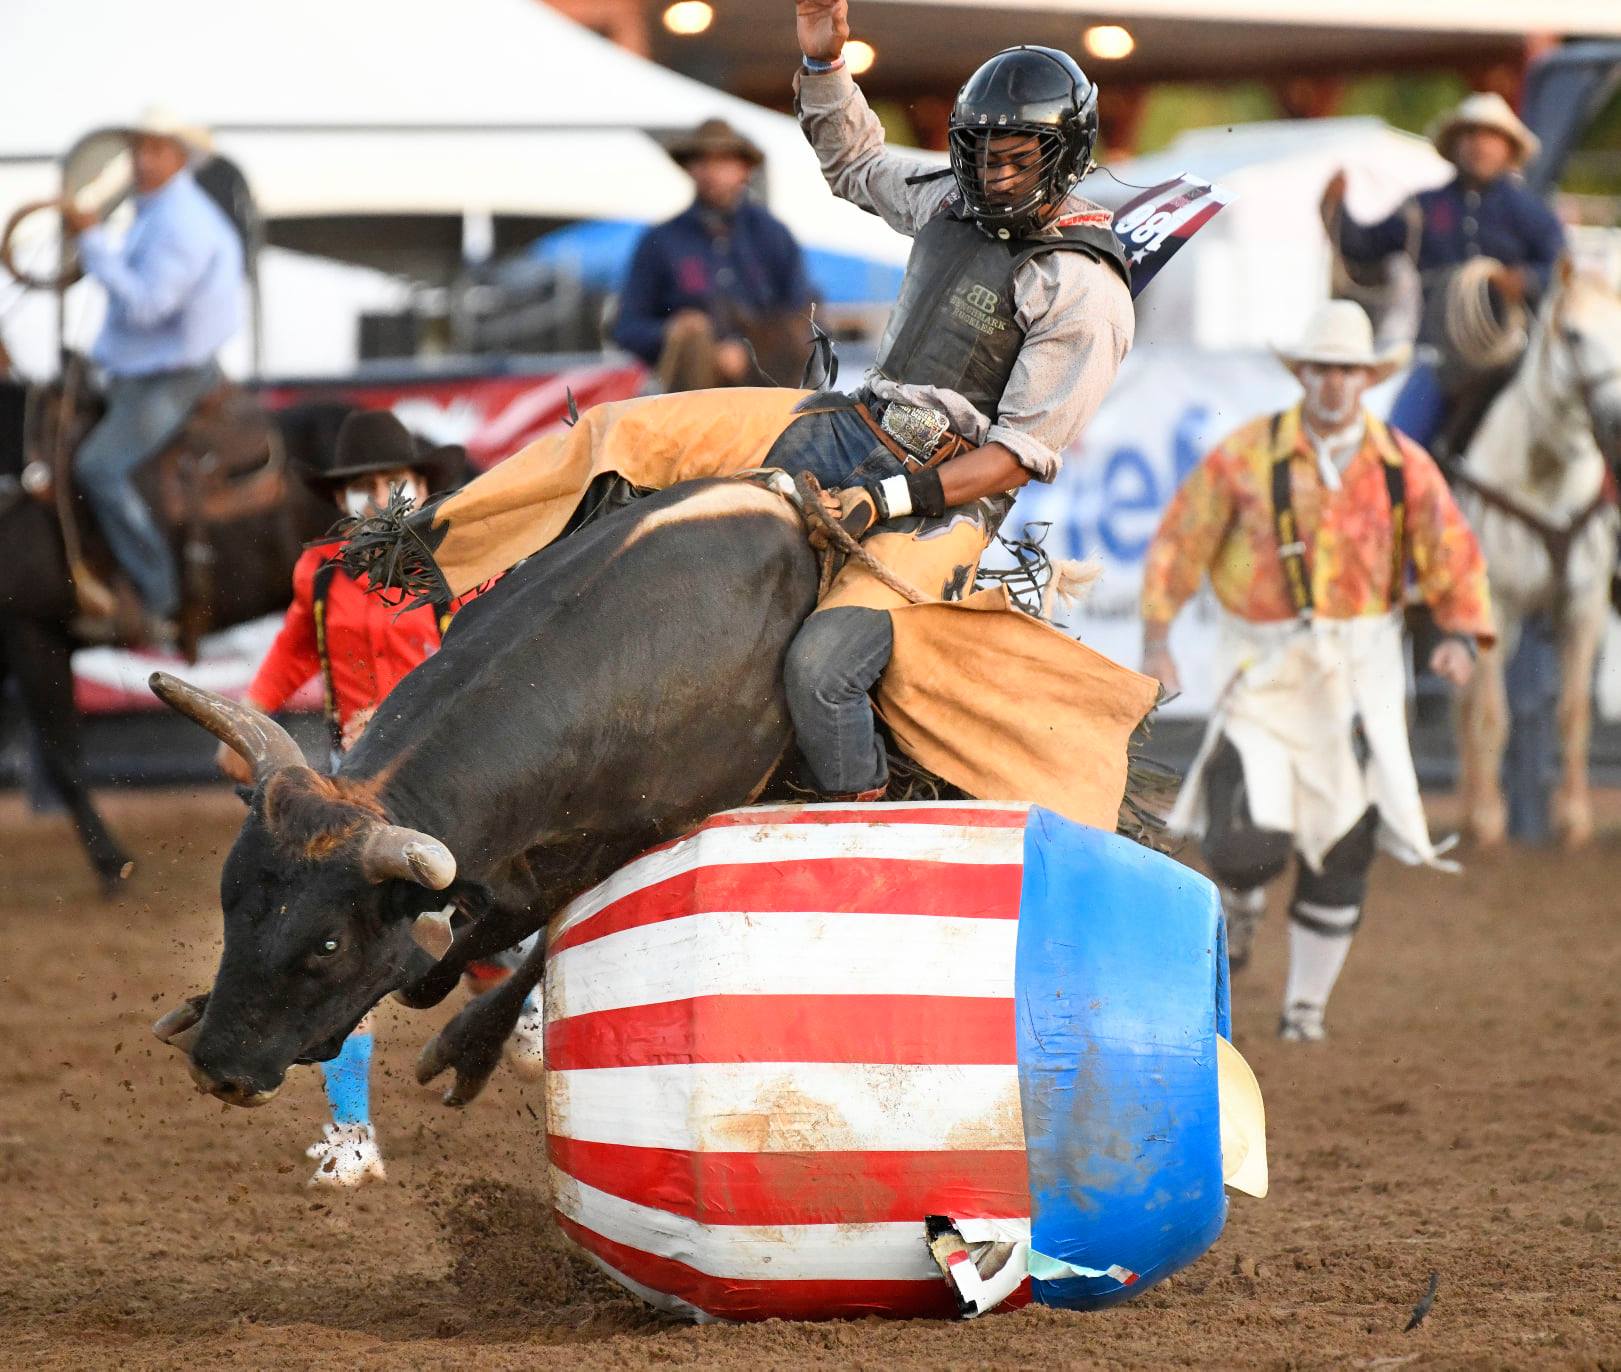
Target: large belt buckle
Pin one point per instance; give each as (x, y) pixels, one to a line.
(916, 428)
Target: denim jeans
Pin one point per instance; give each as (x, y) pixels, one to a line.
(833, 662)
(144, 413)
(836, 446)
(1420, 408)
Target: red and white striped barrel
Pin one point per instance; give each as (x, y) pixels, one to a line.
(777, 1044)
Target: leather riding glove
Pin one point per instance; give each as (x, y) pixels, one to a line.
(852, 507)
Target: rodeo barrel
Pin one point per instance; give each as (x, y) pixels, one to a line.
(826, 1061)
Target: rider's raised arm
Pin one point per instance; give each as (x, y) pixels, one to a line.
(849, 143)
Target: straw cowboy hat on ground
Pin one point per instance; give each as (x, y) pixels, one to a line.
(1484, 110)
(1339, 335)
(713, 138)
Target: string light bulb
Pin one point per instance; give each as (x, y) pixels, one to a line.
(689, 17)
(1109, 42)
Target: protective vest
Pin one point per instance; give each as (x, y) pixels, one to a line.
(954, 325)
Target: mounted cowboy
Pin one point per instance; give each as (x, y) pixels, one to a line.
(1013, 316)
(1307, 522)
(174, 289)
(720, 284)
(1484, 246)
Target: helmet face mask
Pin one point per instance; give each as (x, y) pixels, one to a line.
(1005, 175)
(1022, 133)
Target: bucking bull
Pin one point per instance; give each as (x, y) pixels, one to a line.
(610, 692)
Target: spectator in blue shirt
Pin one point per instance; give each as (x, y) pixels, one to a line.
(1485, 211)
(723, 276)
(174, 298)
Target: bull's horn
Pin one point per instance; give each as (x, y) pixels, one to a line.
(179, 1028)
(391, 851)
(262, 743)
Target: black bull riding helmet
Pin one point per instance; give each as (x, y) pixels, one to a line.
(1026, 90)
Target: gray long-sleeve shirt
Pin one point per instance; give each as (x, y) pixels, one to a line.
(1075, 312)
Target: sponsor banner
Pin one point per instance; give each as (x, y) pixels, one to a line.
(1153, 227)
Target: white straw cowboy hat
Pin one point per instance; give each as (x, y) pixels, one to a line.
(1339, 335)
(157, 121)
(1485, 110)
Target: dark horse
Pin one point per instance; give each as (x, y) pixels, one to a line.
(253, 556)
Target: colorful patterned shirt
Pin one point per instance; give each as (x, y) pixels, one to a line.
(1221, 521)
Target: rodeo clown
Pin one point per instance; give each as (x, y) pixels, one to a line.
(1307, 522)
(360, 648)
(1013, 317)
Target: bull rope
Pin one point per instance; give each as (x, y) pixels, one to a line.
(811, 493)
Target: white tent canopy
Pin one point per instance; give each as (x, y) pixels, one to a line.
(1255, 273)
(483, 106)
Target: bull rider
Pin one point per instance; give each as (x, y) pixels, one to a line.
(1307, 523)
(1013, 317)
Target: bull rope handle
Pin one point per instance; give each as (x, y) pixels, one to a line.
(811, 492)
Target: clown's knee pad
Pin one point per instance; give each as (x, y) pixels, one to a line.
(1343, 880)
(1241, 854)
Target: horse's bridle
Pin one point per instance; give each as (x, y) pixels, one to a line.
(1557, 540)
(1587, 385)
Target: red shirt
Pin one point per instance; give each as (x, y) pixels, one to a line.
(371, 644)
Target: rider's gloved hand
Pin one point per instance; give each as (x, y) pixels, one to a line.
(854, 508)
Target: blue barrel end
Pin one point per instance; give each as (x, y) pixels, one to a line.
(1121, 989)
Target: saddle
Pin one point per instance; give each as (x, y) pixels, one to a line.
(226, 465)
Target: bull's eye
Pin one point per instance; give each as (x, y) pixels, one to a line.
(328, 948)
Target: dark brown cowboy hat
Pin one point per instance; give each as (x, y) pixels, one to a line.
(375, 441)
(713, 138)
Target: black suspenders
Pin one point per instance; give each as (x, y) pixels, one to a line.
(321, 594)
(1292, 548)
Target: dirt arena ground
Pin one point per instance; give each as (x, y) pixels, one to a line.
(1464, 1120)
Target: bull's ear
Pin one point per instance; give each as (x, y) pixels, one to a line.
(407, 855)
(244, 794)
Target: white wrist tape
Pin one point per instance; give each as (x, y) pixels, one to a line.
(897, 496)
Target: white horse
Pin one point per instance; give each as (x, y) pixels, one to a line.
(1532, 484)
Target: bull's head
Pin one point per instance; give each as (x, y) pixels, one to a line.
(324, 903)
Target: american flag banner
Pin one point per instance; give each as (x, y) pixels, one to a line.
(783, 1047)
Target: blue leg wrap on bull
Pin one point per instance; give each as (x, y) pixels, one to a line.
(348, 1081)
